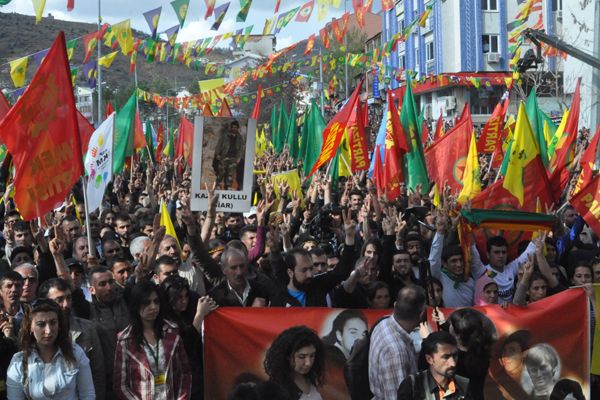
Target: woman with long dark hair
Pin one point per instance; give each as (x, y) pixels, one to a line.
(296, 362)
(150, 359)
(48, 366)
(188, 311)
(474, 334)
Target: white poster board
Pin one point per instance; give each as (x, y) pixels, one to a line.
(225, 155)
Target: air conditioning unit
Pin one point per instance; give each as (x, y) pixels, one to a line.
(493, 57)
(449, 102)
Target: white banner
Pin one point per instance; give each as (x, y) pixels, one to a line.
(98, 162)
(223, 154)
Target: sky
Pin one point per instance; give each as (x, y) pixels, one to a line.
(195, 26)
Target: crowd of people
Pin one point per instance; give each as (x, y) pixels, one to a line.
(123, 319)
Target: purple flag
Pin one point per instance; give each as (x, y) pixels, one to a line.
(91, 73)
(152, 18)
(39, 56)
(219, 15)
(172, 34)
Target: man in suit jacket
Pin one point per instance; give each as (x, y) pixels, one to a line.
(237, 290)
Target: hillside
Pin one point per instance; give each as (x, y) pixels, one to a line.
(19, 36)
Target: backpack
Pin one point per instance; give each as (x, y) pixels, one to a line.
(356, 370)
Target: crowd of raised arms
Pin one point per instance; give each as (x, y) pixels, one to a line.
(125, 320)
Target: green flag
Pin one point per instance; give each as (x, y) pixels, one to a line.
(148, 133)
(414, 160)
(312, 137)
(123, 143)
(541, 124)
(244, 8)
(282, 124)
(274, 122)
(181, 9)
(291, 136)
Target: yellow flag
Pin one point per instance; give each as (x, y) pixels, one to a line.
(524, 149)
(17, 71)
(471, 176)
(165, 220)
(557, 140)
(345, 158)
(293, 180)
(107, 60)
(122, 32)
(437, 201)
(322, 9)
(38, 6)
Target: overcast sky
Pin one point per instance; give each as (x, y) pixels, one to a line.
(195, 26)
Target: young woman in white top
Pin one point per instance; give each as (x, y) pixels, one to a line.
(48, 365)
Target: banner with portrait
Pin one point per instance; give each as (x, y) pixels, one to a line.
(223, 156)
(547, 341)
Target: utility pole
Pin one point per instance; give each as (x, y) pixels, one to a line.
(99, 80)
(345, 58)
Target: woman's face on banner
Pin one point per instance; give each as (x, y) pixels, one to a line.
(354, 329)
(303, 359)
(512, 357)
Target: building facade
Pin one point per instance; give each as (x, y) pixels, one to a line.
(84, 101)
(467, 37)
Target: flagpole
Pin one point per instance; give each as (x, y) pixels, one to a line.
(91, 247)
(345, 57)
(98, 69)
(321, 78)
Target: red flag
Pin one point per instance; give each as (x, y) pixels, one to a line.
(133, 57)
(256, 110)
(495, 197)
(206, 111)
(387, 5)
(310, 43)
(41, 133)
(424, 132)
(159, 142)
(586, 203)
(395, 148)
(324, 34)
(225, 111)
(587, 162)
(365, 116)
(446, 158)
(439, 128)
(85, 131)
(185, 140)
(90, 41)
(109, 110)
(139, 139)
(492, 131)
(277, 6)
(332, 135)
(340, 32)
(357, 140)
(4, 106)
(562, 163)
(102, 31)
(70, 5)
(378, 172)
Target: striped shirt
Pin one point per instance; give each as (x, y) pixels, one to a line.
(392, 357)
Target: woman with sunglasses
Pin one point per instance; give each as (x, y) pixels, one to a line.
(48, 365)
(150, 359)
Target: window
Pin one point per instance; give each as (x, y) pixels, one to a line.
(557, 5)
(490, 43)
(429, 51)
(400, 25)
(489, 5)
(402, 61)
(416, 58)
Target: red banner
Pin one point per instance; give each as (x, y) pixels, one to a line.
(493, 129)
(236, 339)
